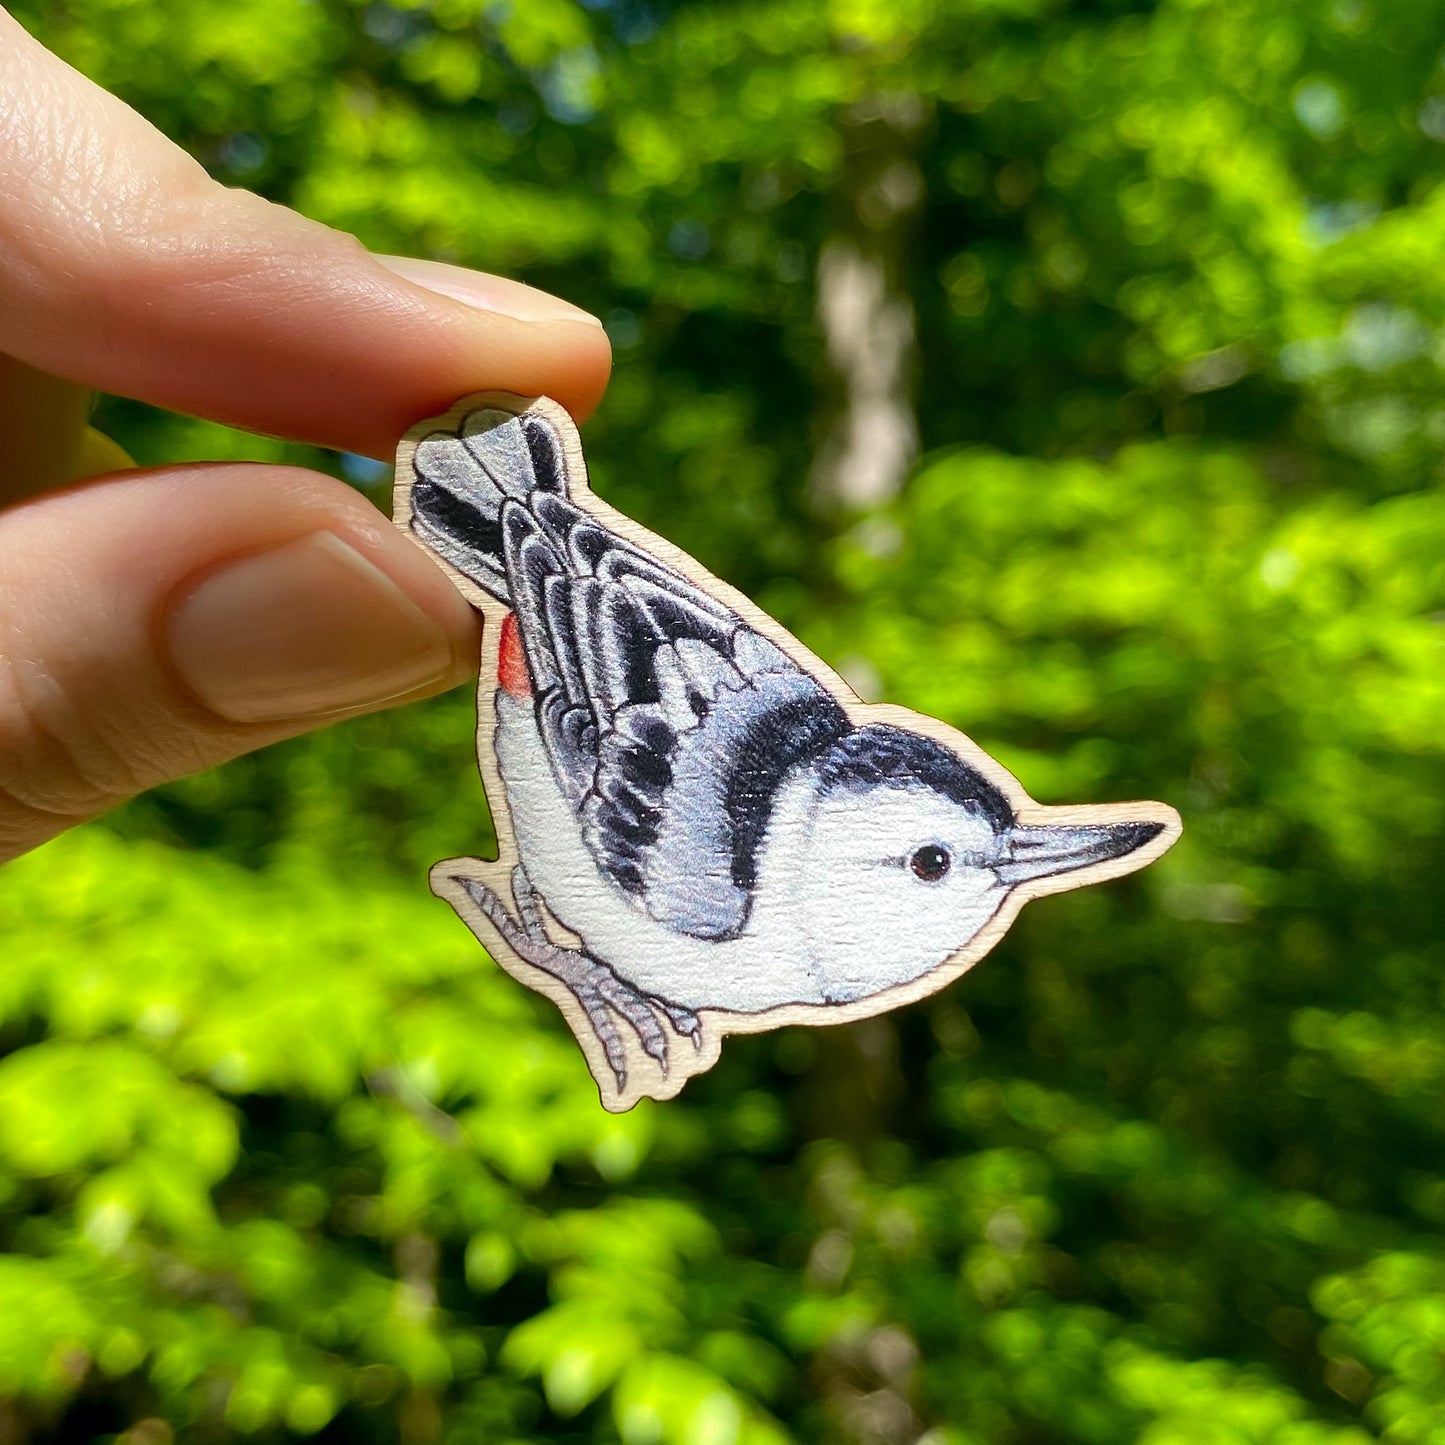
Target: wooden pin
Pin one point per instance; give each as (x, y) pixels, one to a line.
(701, 829)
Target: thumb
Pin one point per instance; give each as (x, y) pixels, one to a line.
(154, 623)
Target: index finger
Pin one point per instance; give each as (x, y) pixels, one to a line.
(127, 269)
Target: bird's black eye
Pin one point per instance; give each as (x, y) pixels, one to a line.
(930, 862)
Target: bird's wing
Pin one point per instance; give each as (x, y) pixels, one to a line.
(668, 721)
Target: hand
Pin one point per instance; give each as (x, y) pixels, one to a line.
(156, 622)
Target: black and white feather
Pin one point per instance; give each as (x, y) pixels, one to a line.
(669, 721)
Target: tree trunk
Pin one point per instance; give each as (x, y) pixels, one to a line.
(865, 312)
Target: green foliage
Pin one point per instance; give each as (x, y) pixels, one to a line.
(282, 1155)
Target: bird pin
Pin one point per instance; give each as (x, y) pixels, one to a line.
(701, 829)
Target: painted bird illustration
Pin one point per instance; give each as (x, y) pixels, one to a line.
(728, 837)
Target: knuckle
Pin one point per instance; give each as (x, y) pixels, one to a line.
(220, 238)
(60, 759)
(200, 243)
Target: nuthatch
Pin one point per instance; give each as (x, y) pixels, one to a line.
(696, 807)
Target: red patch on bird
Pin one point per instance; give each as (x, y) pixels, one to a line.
(512, 672)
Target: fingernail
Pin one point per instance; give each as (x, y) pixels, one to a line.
(487, 293)
(303, 630)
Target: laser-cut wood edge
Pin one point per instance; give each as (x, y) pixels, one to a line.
(644, 1077)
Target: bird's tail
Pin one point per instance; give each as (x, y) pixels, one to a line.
(463, 477)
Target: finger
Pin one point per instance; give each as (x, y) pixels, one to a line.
(44, 437)
(42, 429)
(127, 269)
(155, 623)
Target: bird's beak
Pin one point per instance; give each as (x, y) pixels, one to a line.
(1042, 852)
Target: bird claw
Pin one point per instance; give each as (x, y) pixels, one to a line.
(525, 897)
(683, 1020)
(598, 990)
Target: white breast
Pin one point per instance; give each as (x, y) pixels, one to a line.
(746, 975)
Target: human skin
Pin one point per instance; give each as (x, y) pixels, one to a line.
(155, 622)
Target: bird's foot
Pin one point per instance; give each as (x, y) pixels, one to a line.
(683, 1020)
(597, 989)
